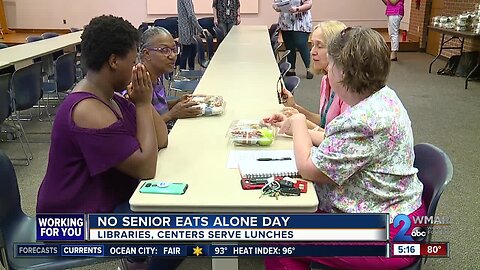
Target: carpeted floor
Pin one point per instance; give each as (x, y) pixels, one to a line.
(442, 113)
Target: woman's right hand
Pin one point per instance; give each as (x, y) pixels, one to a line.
(186, 109)
(288, 98)
(274, 6)
(141, 90)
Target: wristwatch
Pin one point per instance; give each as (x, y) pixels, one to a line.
(297, 9)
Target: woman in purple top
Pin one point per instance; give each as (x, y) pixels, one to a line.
(394, 13)
(103, 144)
(158, 52)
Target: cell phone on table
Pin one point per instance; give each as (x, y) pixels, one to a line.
(158, 187)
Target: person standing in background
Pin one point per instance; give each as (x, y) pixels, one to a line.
(226, 14)
(296, 26)
(394, 13)
(188, 27)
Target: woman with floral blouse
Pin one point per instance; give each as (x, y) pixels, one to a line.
(364, 161)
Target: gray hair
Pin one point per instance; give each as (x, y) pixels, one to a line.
(148, 36)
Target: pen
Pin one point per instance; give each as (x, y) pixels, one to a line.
(273, 159)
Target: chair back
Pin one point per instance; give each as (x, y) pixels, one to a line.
(5, 98)
(10, 205)
(65, 72)
(207, 23)
(273, 30)
(219, 34)
(209, 39)
(291, 83)
(170, 24)
(3, 46)
(26, 85)
(284, 68)
(202, 61)
(49, 35)
(435, 171)
(30, 39)
(75, 29)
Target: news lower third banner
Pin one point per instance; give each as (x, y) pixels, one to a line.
(199, 250)
(200, 227)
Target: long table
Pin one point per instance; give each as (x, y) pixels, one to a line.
(454, 35)
(22, 55)
(245, 73)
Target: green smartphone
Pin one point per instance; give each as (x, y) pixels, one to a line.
(157, 187)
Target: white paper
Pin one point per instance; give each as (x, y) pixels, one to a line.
(284, 6)
(237, 156)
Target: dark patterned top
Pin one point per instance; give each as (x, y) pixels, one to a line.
(300, 21)
(188, 25)
(227, 10)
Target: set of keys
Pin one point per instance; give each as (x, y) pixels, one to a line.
(280, 188)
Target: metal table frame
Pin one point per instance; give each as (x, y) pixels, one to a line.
(455, 35)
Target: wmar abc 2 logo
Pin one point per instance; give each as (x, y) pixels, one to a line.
(421, 229)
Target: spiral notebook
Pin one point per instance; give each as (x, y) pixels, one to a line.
(257, 169)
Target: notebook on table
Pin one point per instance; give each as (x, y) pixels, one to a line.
(267, 168)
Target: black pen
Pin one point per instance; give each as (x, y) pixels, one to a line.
(273, 159)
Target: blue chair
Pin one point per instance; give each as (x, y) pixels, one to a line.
(170, 24)
(284, 68)
(207, 23)
(291, 83)
(283, 58)
(64, 76)
(17, 227)
(273, 30)
(435, 171)
(26, 91)
(3, 46)
(219, 35)
(30, 39)
(202, 61)
(11, 131)
(186, 86)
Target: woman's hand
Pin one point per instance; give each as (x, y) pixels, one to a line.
(293, 10)
(287, 127)
(289, 111)
(185, 109)
(288, 98)
(140, 93)
(186, 97)
(274, 6)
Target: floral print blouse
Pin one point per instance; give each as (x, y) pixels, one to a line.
(300, 21)
(368, 153)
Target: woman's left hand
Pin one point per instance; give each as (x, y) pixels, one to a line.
(293, 10)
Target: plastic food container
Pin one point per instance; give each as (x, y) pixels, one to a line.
(251, 132)
(211, 105)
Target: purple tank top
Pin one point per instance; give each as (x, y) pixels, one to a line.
(80, 176)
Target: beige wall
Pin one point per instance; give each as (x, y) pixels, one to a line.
(45, 14)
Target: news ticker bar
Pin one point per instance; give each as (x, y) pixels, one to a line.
(199, 250)
(210, 227)
(429, 250)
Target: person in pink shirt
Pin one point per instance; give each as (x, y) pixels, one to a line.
(394, 13)
(330, 105)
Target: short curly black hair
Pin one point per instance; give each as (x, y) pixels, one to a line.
(104, 36)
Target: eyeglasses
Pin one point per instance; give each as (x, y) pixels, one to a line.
(167, 51)
(282, 98)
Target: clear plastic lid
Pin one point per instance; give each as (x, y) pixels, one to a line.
(210, 105)
(251, 132)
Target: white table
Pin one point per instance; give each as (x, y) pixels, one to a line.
(245, 73)
(22, 55)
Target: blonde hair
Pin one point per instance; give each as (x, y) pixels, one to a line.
(329, 30)
(363, 56)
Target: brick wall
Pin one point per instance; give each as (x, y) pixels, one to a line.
(419, 19)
